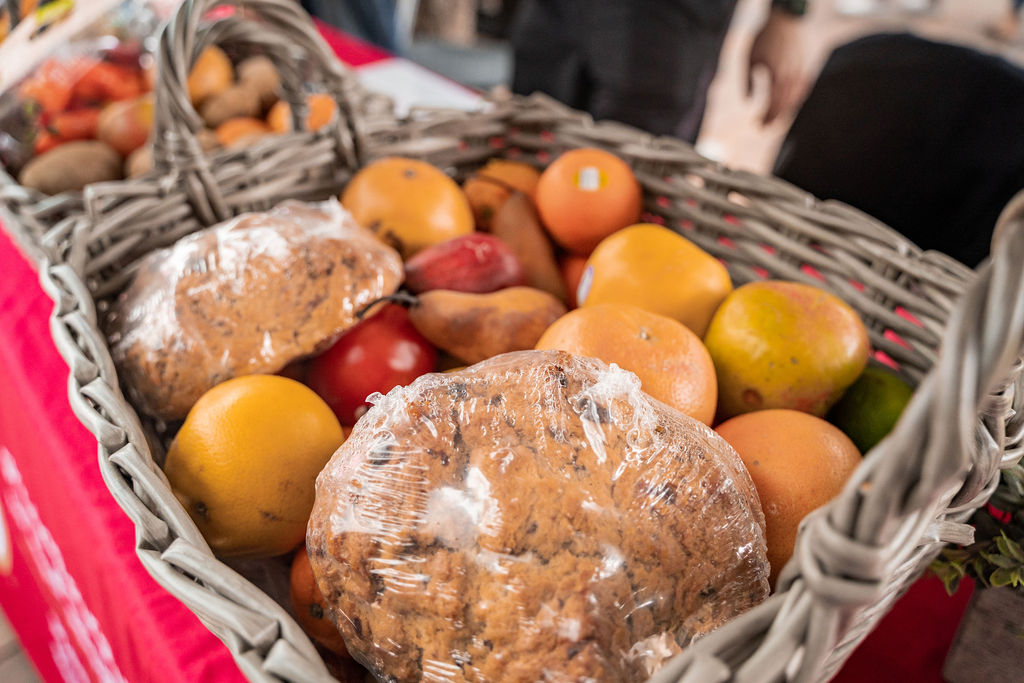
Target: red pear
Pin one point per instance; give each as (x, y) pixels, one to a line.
(475, 263)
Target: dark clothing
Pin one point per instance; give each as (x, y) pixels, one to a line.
(924, 136)
(647, 63)
(371, 20)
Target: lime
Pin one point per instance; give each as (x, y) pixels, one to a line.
(870, 407)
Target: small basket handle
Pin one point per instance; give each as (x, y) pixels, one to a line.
(278, 28)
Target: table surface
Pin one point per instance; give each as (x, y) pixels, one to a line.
(84, 608)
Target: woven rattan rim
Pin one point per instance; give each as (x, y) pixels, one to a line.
(284, 33)
(853, 558)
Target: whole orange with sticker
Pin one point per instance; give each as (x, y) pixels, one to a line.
(585, 195)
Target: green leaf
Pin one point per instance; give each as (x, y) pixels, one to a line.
(957, 555)
(1003, 577)
(1009, 547)
(1001, 561)
(949, 574)
(978, 565)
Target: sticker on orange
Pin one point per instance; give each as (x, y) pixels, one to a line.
(583, 289)
(590, 178)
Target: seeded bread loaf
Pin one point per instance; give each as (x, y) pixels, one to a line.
(243, 297)
(533, 517)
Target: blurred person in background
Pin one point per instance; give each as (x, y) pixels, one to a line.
(649, 63)
(1007, 28)
(372, 20)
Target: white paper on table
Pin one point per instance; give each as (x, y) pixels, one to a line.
(410, 85)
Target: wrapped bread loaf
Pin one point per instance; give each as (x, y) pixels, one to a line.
(533, 517)
(243, 297)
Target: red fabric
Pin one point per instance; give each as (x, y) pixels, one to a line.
(76, 594)
(349, 49)
(911, 642)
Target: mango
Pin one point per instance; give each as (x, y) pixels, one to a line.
(782, 344)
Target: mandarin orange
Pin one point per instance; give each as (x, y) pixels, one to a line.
(585, 195)
(488, 188)
(408, 204)
(798, 463)
(244, 463)
(670, 360)
(310, 606)
(320, 109)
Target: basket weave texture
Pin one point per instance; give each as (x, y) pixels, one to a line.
(217, 185)
(956, 333)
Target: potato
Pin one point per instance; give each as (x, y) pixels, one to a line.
(208, 140)
(139, 162)
(238, 100)
(260, 74)
(72, 166)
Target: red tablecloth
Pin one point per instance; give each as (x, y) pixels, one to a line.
(84, 607)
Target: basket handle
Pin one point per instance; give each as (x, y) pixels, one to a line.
(285, 33)
(854, 555)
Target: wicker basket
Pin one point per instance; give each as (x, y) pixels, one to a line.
(956, 333)
(215, 186)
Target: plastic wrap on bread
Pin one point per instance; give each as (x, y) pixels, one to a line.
(535, 516)
(242, 297)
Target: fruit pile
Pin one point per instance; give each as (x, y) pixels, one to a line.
(86, 119)
(81, 116)
(515, 259)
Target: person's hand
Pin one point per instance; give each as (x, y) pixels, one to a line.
(779, 49)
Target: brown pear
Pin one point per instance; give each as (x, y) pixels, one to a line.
(473, 327)
(517, 225)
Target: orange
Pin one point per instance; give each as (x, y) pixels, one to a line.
(240, 130)
(671, 362)
(784, 345)
(572, 266)
(321, 109)
(245, 461)
(488, 188)
(212, 73)
(408, 204)
(798, 463)
(310, 607)
(658, 270)
(585, 195)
